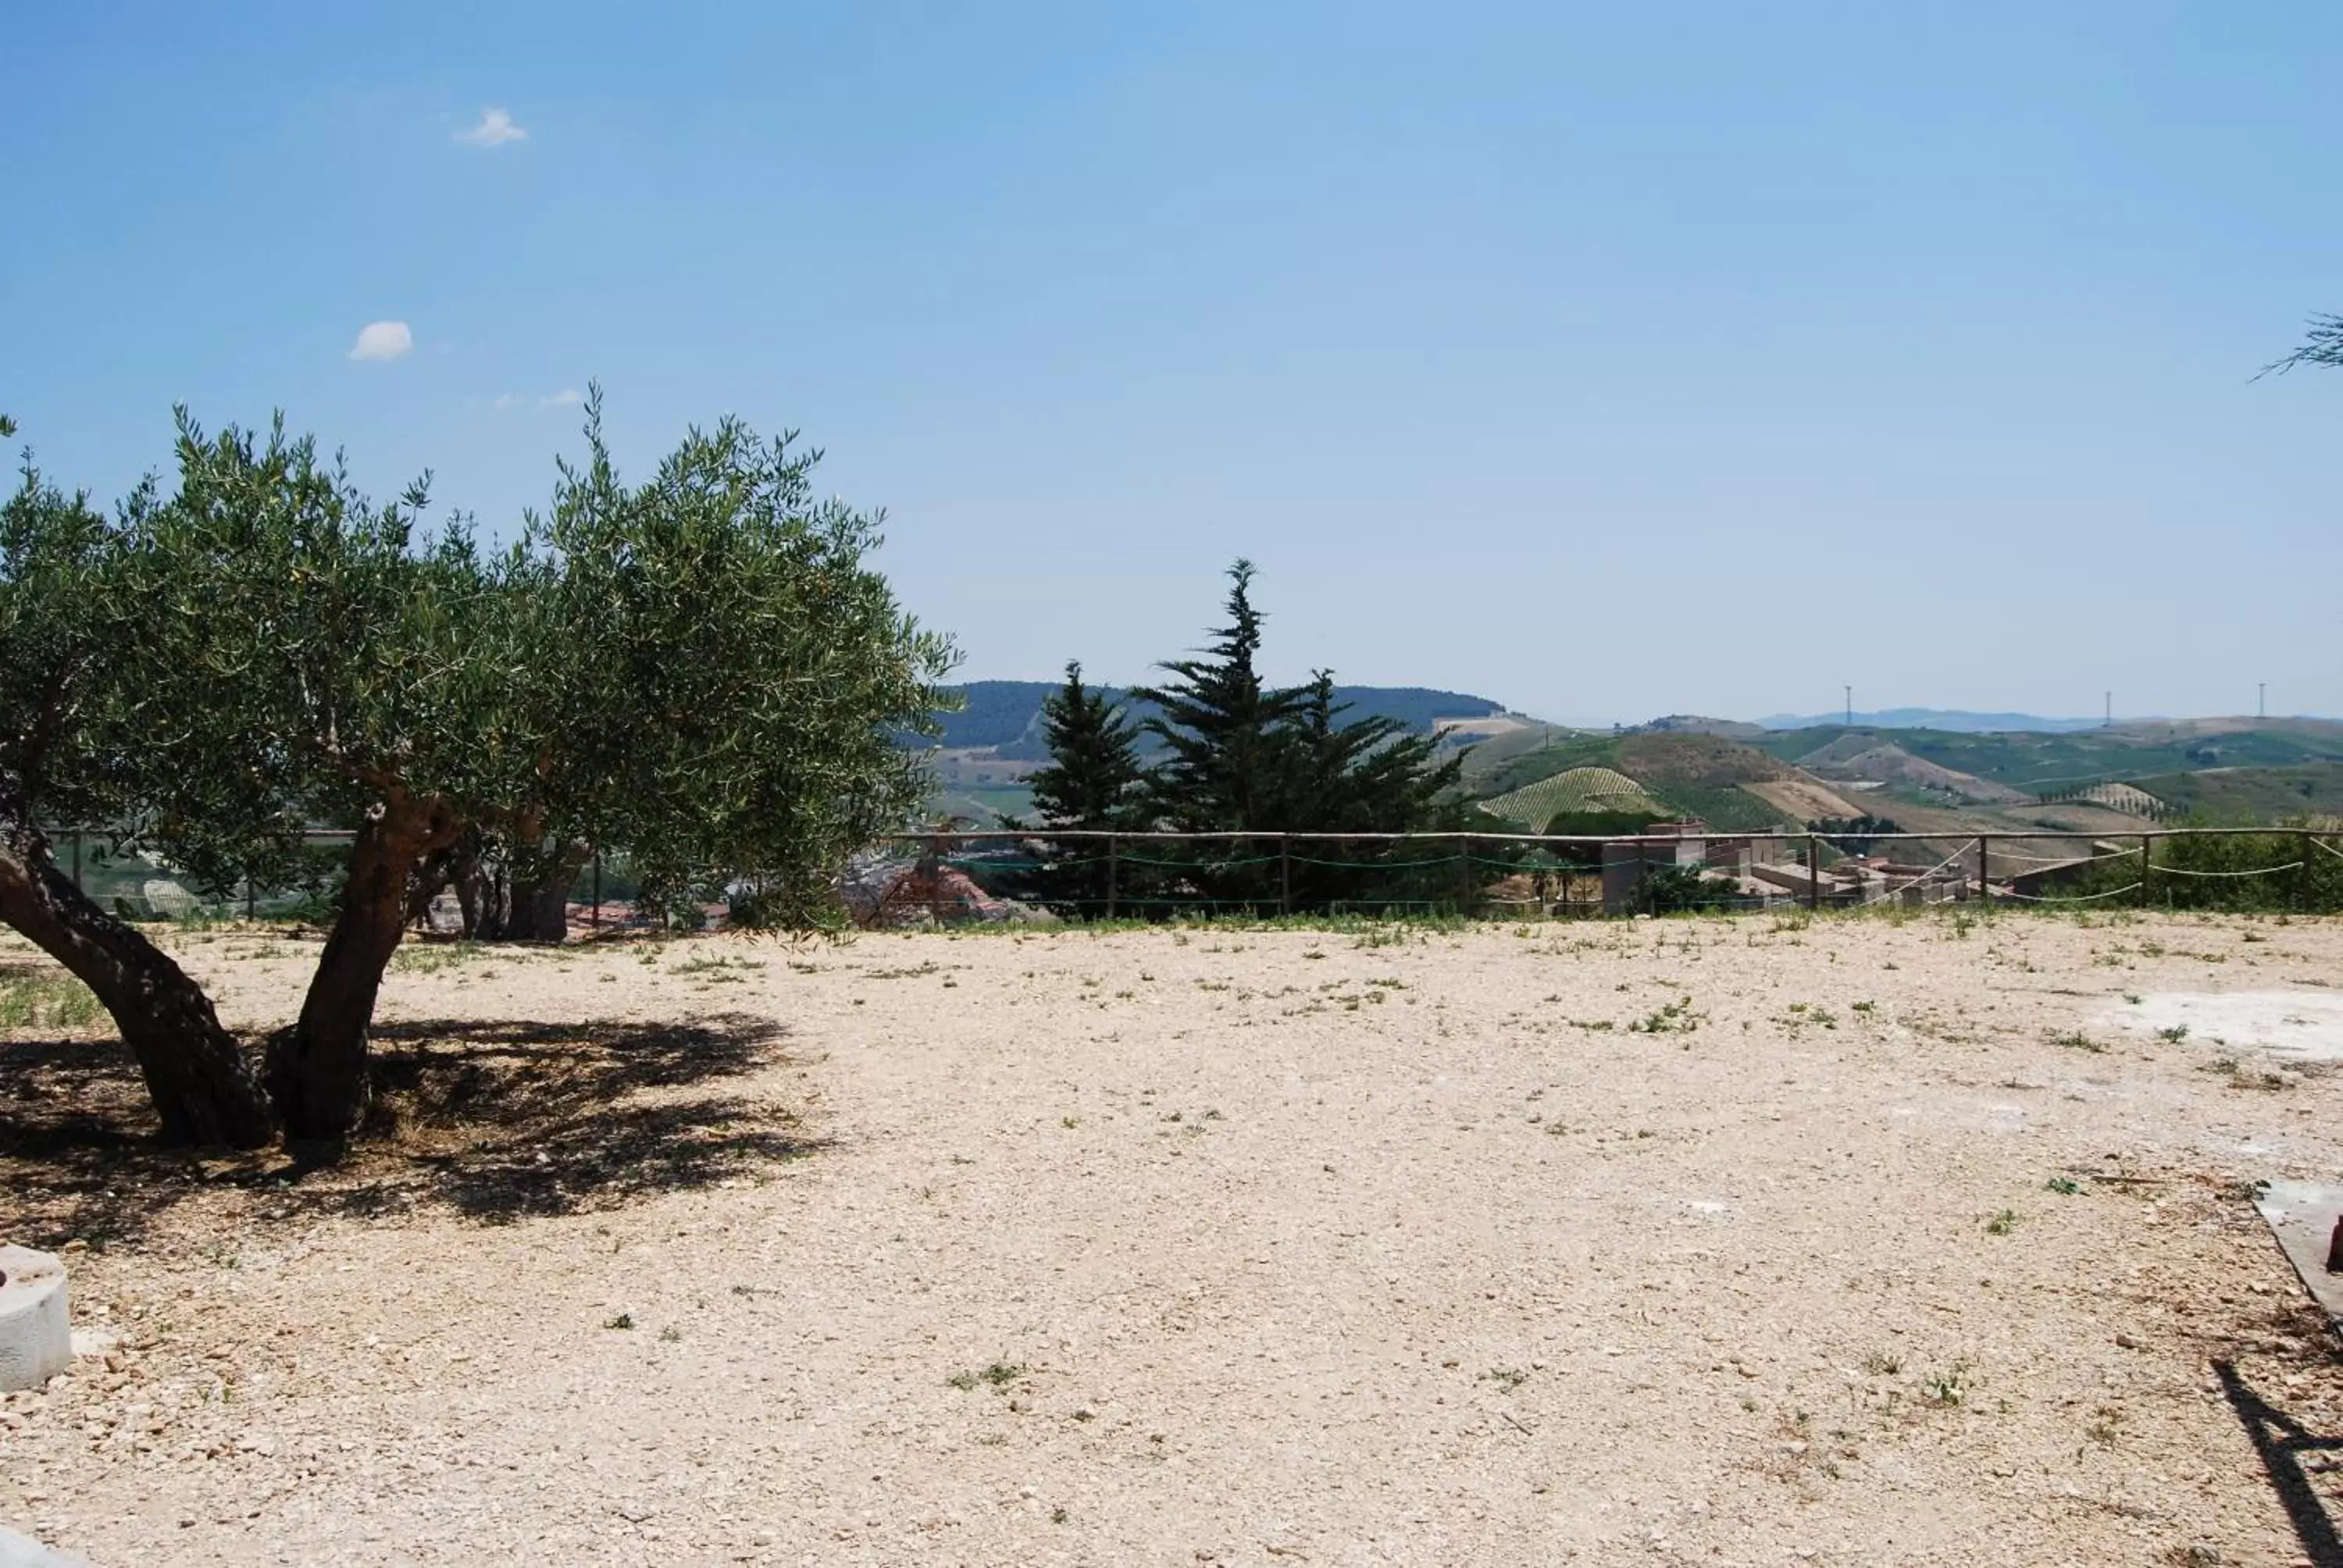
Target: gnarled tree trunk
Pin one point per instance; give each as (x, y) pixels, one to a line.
(539, 909)
(318, 1067)
(203, 1090)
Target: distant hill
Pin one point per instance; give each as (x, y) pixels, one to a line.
(1006, 715)
(2251, 796)
(1696, 724)
(2041, 762)
(1932, 718)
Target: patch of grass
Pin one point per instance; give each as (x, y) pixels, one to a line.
(623, 1321)
(430, 958)
(2002, 1224)
(1675, 1018)
(999, 1375)
(2174, 1035)
(2064, 1186)
(715, 965)
(1881, 1364)
(2075, 1040)
(1949, 1387)
(45, 1000)
(1508, 1379)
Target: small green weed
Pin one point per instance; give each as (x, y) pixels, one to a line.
(1949, 1387)
(999, 1375)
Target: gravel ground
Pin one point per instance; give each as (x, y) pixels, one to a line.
(1725, 1242)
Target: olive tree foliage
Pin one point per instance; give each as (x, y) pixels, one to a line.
(729, 674)
(2322, 344)
(61, 750)
(304, 656)
(700, 670)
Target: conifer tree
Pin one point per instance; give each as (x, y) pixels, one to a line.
(1220, 725)
(1093, 784)
(1093, 776)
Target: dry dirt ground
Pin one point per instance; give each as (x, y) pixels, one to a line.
(1741, 1241)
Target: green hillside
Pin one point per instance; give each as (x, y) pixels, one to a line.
(1574, 789)
(1676, 774)
(1007, 714)
(2037, 760)
(2252, 797)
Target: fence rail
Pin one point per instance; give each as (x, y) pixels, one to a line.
(1160, 873)
(1817, 869)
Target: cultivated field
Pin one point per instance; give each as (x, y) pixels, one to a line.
(1720, 1241)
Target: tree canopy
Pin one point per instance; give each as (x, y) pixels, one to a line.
(1236, 756)
(701, 669)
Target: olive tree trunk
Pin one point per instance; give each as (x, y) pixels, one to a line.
(539, 908)
(317, 1070)
(203, 1090)
(525, 897)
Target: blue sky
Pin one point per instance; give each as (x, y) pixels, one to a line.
(1609, 361)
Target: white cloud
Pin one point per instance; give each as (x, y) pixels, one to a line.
(382, 340)
(505, 402)
(495, 129)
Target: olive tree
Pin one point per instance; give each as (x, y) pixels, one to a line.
(304, 656)
(732, 677)
(701, 669)
(61, 742)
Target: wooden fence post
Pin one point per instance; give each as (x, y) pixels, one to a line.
(1985, 868)
(1813, 873)
(1464, 878)
(2146, 860)
(2302, 878)
(1113, 864)
(595, 918)
(1286, 873)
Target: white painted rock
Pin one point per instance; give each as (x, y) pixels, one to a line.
(36, 1337)
(24, 1552)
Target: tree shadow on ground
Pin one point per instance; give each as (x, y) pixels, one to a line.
(496, 1120)
(2281, 1441)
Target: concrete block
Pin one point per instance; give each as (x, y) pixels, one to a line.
(35, 1332)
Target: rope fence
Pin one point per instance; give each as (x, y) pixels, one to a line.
(1161, 874)
(1151, 874)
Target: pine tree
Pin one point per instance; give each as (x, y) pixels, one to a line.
(1093, 784)
(1248, 758)
(1222, 727)
(1369, 776)
(1093, 775)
